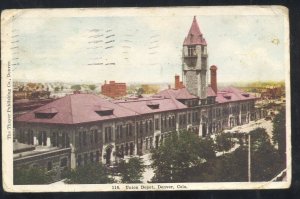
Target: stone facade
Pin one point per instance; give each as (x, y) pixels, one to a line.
(108, 141)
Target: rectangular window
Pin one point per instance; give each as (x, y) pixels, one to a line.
(110, 134)
(91, 137)
(80, 138)
(151, 125)
(130, 129)
(146, 143)
(126, 149)
(165, 123)
(40, 138)
(156, 124)
(146, 126)
(92, 157)
(151, 142)
(131, 148)
(121, 132)
(141, 128)
(79, 160)
(127, 130)
(117, 131)
(174, 121)
(118, 152)
(84, 138)
(122, 150)
(191, 51)
(96, 136)
(63, 140)
(137, 127)
(97, 156)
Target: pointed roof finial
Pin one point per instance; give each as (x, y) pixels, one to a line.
(194, 36)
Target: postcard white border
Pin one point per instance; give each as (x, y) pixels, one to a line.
(6, 81)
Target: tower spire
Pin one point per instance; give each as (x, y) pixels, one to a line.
(194, 36)
(194, 60)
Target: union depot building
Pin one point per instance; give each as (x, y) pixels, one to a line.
(82, 128)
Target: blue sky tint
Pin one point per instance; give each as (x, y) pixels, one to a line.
(145, 49)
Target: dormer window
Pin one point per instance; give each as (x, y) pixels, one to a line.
(46, 113)
(104, 111)
(153, 105)
(245, 94)
(227, 97)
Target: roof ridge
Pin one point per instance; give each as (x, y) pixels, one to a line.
(117, 104)
(71, 109)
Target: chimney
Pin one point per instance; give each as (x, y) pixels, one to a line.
(177, 82)
(213, 78)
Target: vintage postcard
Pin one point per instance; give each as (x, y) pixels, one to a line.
(145, 99)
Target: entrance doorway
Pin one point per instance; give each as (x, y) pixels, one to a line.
(108, 155)
(204, 130)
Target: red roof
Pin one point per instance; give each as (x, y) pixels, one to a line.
(194, 36)
(178, 94)
(210, 92)
(143, 105)
(76, 108)
(231, 94)
(82, 108)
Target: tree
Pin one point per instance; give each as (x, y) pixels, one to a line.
(56, 89)
(132, 171)
(92, 87)
(279, 132)
(140, 91)
(33, 175)
(265, 159)
(89, 174)
(178, 155)
(223, 142)
(76, 87)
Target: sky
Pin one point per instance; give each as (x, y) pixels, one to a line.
(144, 49)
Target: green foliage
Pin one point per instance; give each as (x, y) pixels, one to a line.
(92, 87)
(33, 175)
(279, 132)
(265, 159)
(179, 154)
(233, 167)
(132, 171)
(89, 174)
(224, 142)
(140, 91)
(76, 87)
(56, 89)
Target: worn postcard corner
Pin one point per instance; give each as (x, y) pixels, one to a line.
(145, 99)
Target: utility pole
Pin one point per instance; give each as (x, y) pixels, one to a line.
(249, 158)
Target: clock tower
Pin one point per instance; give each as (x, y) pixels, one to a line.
(194, 58)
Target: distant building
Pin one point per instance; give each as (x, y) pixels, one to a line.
(113, 89)
(272, 92)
